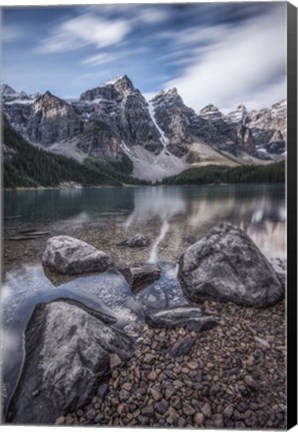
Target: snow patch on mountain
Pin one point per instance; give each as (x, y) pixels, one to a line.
(164, 140)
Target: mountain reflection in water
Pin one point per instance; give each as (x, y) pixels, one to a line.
(168, 215)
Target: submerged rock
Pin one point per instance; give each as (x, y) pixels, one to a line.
(68, 349)
(228, 266)
(138, 240)
(68, 255)
(155, 297)
(140, 276)
(189, 317)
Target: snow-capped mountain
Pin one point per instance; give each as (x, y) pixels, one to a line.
(162, 137)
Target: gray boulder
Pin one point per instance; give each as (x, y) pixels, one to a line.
(68, 348)
(186, 316)
(68, 255)
(228, 266)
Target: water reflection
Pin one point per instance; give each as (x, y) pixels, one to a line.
(174, 212)
(159, 202)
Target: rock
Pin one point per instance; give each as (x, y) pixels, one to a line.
(169, 393)
(60, 420)
(115, 361)
(193, 365)
(140, 276)
(68, 255)
(148, 411)
(102, 391)
(99, 418)
(161, 407)
(262, 342)
(138, 240)
(199, 419)
(250, 361)
(152, 376)
(182, 346)
(218, 420)
(155, 394)
(154, 297)
(181, 316)
(228, 411)
(67, 351)
(206, 409)
(226, 265)
(90, 414)
(188, 410)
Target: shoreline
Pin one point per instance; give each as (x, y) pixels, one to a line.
(126, 185)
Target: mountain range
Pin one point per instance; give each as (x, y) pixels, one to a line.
(160, 138)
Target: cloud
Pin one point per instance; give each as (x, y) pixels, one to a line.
(86, 29)
(10, 33)
(242, 64)
(99, 59)
(152, 15)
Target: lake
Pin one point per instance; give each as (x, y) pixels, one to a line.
(171, 217)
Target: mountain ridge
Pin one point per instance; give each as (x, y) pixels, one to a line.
(162, 136)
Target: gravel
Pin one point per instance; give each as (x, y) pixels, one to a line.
(227, 379)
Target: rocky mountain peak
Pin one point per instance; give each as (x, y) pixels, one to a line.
(123, 84)
(114, 90)
(49, 101)
(6, 90)
(211, 112)
(239, 115)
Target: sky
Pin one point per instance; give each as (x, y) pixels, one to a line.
(219, 53)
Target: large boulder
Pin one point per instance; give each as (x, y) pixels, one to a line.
(68, 255)
(68, 354)
(228, 266)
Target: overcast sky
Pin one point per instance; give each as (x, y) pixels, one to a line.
(224, 54)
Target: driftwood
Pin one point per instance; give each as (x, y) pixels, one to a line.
(140, 276)
(29, 235)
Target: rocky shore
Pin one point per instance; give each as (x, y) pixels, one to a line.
(215, 359)
(232, 377)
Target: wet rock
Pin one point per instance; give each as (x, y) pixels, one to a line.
(140, 276)
(182, 346)
(181, 316)
(228, 266)
(138, 240)
(67, 354)
(69, 255)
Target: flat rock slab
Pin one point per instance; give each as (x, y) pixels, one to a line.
(227, 266)
(68, 255)
(140, 276)
(68, 349)
(189, 317)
